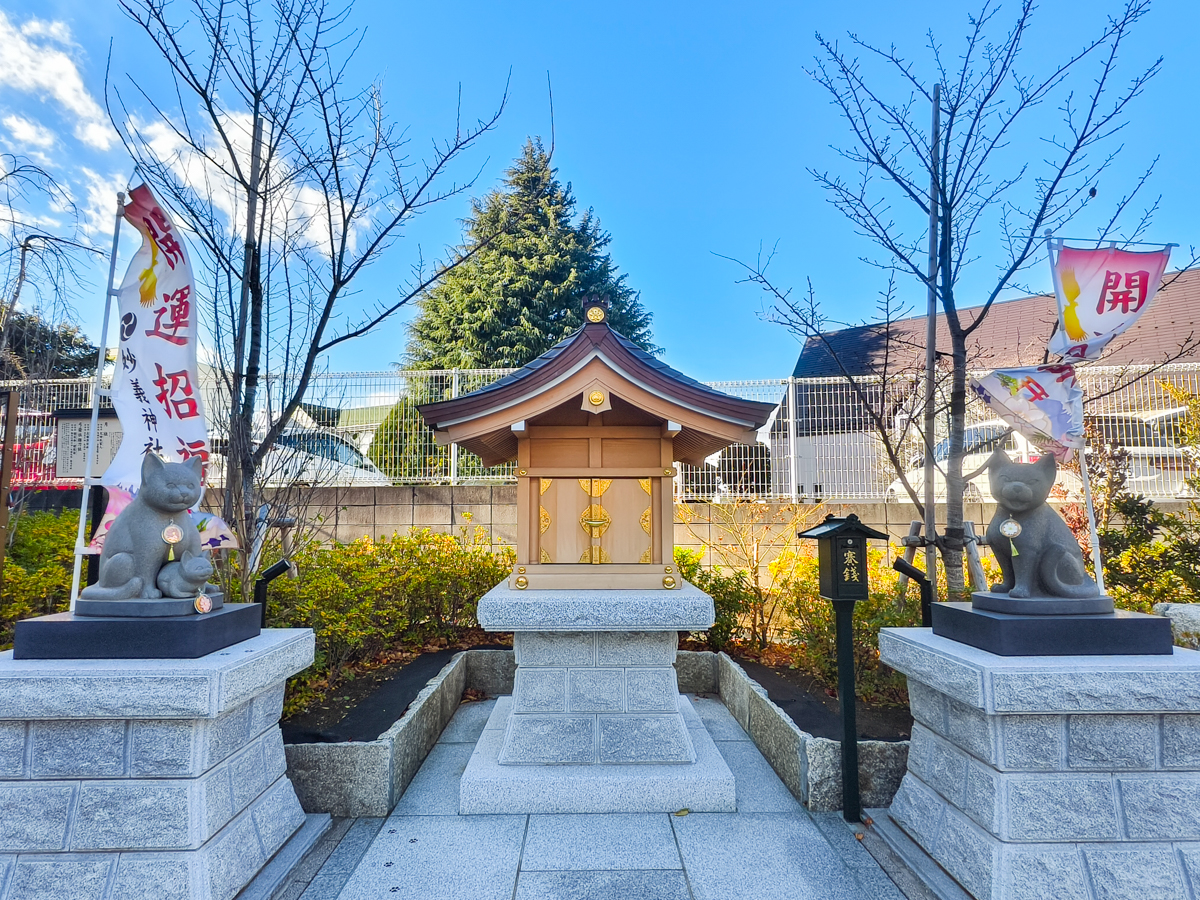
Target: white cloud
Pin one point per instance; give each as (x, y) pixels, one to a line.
(28, 132)
(59, 32)
(33, 63)
(98, 209)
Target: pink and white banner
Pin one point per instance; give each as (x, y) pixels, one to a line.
(1043, 403)
(156, 388)
(1100, 294)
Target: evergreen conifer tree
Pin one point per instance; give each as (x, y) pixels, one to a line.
(523, 293)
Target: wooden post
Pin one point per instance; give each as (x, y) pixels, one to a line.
(910, 543)
(974, 563)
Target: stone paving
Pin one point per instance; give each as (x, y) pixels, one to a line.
(770, 849)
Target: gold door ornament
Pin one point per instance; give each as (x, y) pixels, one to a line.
(595, 519)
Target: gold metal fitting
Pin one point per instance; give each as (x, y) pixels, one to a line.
(668, 570)
(668, 582)
(520, 570)
(596, 314)
(596, 398)
(668, 471)
(522, 582)
(522, 472)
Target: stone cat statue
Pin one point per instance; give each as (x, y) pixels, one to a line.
(138, 562)
(1048, 561)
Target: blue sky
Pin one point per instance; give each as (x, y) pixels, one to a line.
(687, 127)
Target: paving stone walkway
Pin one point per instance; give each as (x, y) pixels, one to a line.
(770, 849)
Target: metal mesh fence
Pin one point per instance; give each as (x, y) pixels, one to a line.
(821, 443)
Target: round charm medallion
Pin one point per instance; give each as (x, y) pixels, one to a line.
(203, 604)
(596, 314)
(1010, 528)
(172, 534)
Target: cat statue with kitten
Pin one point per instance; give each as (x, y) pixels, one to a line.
(153, 548)
(1038, 555)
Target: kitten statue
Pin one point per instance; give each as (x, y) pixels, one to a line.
(1037, 553)
(153, 549)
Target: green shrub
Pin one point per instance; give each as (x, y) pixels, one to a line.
(370, 596)
(732, 595)
(37, 569)
(813, 632)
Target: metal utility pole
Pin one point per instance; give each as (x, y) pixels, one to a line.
(931, 346)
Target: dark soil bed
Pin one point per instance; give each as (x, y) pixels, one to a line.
(812, 708)
(362, 709)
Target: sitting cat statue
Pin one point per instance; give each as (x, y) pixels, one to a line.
(153, 549)
(1038, 555)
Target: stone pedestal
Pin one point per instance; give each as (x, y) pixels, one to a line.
(584, 697)
(1065, 777)
(595, 696)
(145, 778)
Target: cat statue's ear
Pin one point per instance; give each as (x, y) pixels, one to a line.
(196, 464)
(998, 458)
(151, 464)
(1047, 462)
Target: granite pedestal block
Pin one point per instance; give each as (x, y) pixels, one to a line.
(596, 697)
(1066, 777)
(595, 686)
(1121, 632)
(145, 778)
(489, 787)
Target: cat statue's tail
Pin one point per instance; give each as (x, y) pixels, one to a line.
(1078, 584)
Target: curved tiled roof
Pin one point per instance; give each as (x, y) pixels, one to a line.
(1014, 333)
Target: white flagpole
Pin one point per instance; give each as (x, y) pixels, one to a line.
(93, 426)
(1091, 514)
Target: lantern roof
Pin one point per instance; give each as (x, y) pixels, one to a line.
(703, 420)
(833, 526)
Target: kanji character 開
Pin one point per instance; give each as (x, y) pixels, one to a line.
(162, 236)
(1135, 282)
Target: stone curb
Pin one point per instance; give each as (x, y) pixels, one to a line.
(811, 767)
(367, 778)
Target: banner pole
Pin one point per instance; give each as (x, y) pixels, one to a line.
(1091, 515)
(93, 425)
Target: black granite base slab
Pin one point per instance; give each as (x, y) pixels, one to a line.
(67, 636)
(1041, 606)
(1119, 633)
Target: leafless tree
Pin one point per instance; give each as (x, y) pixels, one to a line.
(987, 183)
(293, 182)
(37, 251)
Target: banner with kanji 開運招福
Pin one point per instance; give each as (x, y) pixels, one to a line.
(1100, 294)
(1043, 403)
(156, 386)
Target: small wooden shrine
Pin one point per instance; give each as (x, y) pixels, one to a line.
(596, 426)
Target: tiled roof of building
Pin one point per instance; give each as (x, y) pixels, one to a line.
(1014, 333)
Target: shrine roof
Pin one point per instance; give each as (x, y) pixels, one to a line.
(550, 375)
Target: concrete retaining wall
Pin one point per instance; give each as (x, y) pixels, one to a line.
(367, 778)
(811, 767)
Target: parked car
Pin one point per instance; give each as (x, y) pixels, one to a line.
(1157, 464)
(308, 457)
(979, 442)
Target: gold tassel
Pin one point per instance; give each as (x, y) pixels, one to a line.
(170, 552)
(1012, 544)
